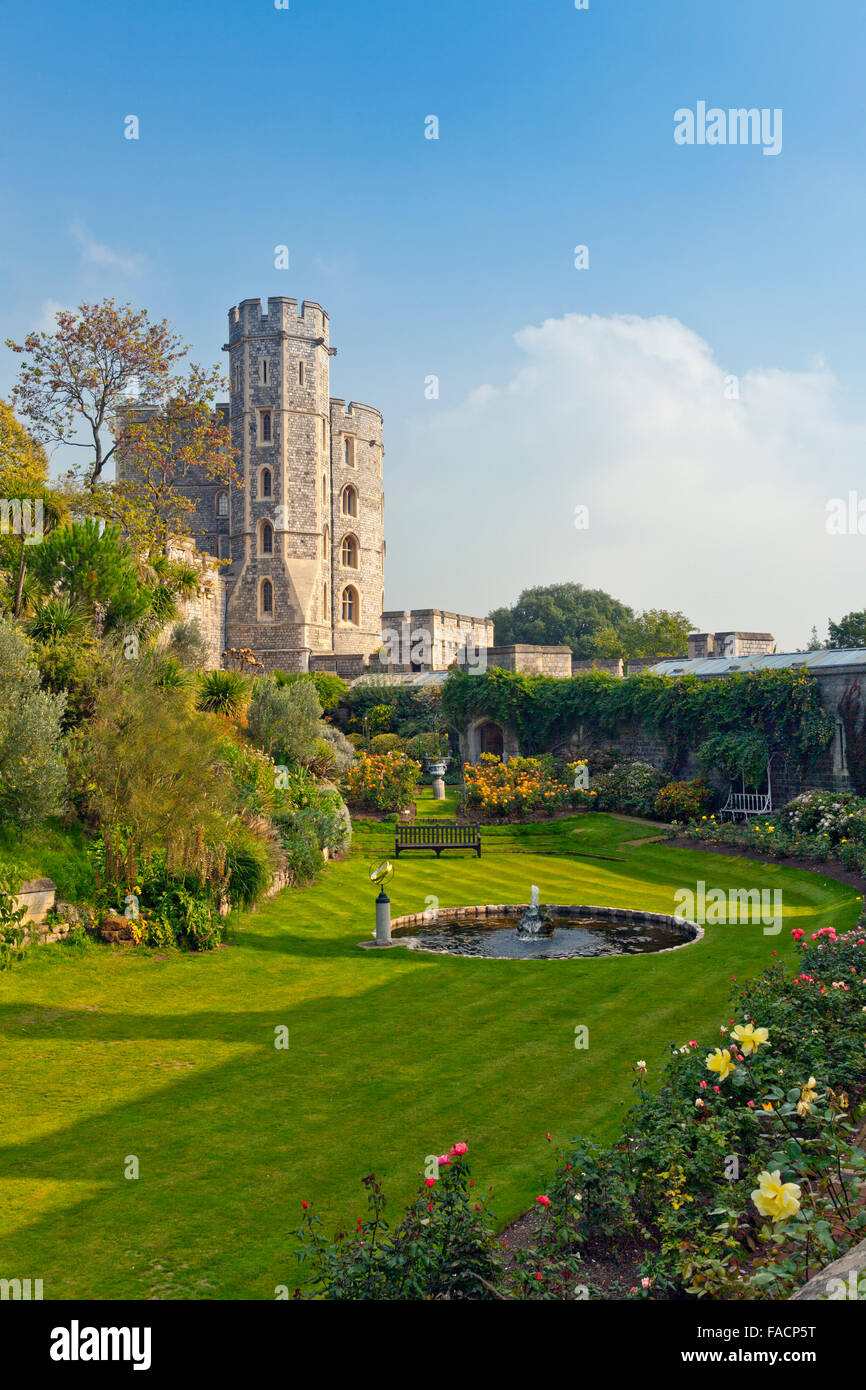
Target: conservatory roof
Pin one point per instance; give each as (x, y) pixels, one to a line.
(402, 678)
(775, 661)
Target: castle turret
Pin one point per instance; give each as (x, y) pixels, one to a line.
(294, 548)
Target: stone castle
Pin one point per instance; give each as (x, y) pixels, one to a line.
(298, 544)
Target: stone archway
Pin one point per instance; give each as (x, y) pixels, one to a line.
(486, 736)
(491, 738)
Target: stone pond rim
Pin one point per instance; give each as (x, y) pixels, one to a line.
(563, 913)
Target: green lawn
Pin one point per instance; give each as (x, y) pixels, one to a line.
(394, 1055)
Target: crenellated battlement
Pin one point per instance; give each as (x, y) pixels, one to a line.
(283, 315)
(355, 416)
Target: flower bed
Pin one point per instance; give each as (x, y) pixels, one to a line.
(495, 790)
(381, 782)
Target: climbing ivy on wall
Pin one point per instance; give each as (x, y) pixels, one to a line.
(757, 711)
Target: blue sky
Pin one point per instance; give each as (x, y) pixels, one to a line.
(306, 127)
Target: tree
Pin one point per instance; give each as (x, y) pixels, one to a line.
(94, 570)
(32, 508)
(560, 615)
(284, 720)
(849, 632)
(23, 464)
(163, 447)
(150, 770)
(98, 359)
(657, 633)
(32, 772)
(591, 623)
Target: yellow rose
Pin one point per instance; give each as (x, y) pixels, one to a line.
(775, 1198)
(721, 1062)
(749, 1037)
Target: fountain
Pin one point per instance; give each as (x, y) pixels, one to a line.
(534, 922)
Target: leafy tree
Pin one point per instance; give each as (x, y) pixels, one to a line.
(81, 376)
(23, 477)
(849, 632)
(284, 720)
(163, 446)
(92, 570)
(23, 464)
(32, 773)
(591, 623)
(149, 770)
(657, 633)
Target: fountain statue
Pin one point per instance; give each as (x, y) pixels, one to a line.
(534, 922)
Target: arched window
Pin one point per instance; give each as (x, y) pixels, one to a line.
(324, 489)
(267, 538)
(267, 483)
(222, 504)
(349, 553)
(326, 544)
(349, 501)
(265, 421)
(349, 450)
(267, 599)
(350, 605)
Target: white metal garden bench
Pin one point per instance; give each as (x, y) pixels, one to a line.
(742, 805)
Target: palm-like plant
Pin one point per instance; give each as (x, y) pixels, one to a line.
(57, 616)
(223, 692)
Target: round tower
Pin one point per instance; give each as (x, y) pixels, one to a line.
(358, 528)
(280, 513)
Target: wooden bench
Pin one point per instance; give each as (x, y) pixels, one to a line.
(437, 835)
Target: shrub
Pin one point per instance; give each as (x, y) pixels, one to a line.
(381, 782)
(329, 688)
(630, 788)
(311, 817)
(223, 692)
(341, 749)
(32, 774)
(11, 919)
(188, 645)
(443, 1248)
(839, 815)
(284, 720)
(148, 772)
(299, 837)
(683, 801)
(522, 785)
(247, 869)
(385, 743)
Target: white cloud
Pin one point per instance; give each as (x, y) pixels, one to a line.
(47, 318)
(699, 502)
(97, 253)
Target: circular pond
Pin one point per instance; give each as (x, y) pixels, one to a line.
(491, 932)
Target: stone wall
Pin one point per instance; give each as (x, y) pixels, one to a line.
(546, 661)
(613, 666)
(841, 767)
(432, 639)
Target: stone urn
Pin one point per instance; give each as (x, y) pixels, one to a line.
(437, 767)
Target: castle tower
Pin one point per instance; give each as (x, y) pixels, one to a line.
(358, 528)
(304, 524)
